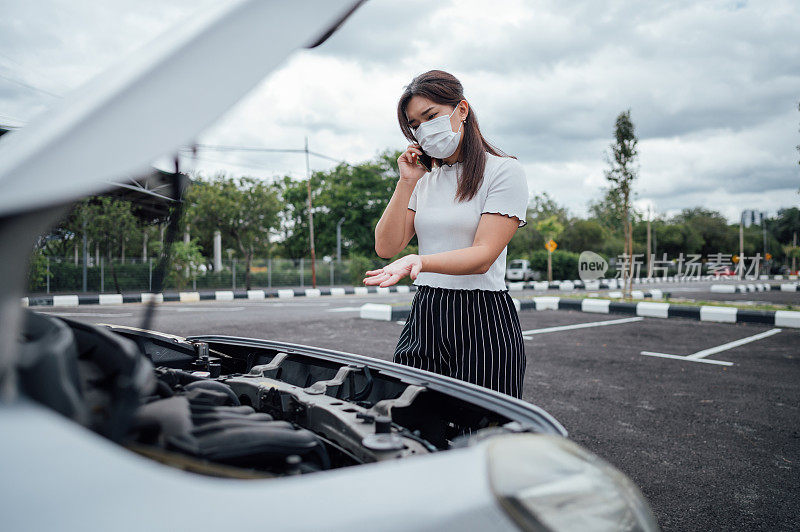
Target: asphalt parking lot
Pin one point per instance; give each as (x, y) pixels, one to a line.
(693, 291)
(701, 291)
(773, 297)
(713, 446)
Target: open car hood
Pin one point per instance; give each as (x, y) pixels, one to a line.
(156, 100)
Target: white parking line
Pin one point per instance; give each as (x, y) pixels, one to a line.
(343, 309)
(579, 326)
(207, 309)
(700, 355)
(293, 304)
(87, 314)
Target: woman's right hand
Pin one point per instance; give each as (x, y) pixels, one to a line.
(411, 170)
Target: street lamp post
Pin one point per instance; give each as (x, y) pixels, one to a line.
(311, 221)
(85, 253)
(764, 232)
(339, 239)
(649, 242)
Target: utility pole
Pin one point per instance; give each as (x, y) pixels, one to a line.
(85, 251)
(339, 240)
(655, 244)
(741, 243)
(794, 244)
(649, 215)
(311, 221)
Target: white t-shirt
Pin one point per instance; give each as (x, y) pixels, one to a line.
(443, 224)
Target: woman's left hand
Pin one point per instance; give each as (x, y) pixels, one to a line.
(391, 273)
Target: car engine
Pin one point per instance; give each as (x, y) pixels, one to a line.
(236, 410)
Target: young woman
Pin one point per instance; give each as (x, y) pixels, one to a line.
(464, 211)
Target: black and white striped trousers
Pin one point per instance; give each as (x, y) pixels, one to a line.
(472, 335)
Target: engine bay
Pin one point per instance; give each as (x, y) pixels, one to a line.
(242, 408)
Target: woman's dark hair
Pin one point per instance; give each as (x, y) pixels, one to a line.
(443, 88)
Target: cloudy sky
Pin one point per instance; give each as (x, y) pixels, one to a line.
(713, 87)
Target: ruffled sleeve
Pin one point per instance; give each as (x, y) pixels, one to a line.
(508, 191)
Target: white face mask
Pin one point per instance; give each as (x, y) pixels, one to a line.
(437, 137)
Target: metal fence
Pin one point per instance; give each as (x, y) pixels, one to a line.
(103, 275)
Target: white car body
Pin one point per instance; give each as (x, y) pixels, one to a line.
(58, 475)
(519, 270)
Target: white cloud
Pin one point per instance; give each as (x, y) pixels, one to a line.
(712, 87)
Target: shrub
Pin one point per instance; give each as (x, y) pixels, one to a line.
(565, 263)
(359, 265)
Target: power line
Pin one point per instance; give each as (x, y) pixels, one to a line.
(222, 148)
(242, 148)
(317, 154)
(207, 159)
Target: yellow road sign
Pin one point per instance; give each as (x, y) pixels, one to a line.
(551, 245)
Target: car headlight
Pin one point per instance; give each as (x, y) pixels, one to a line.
(550, 483)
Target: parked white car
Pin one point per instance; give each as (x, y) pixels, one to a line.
(114, 428)
(520, 270)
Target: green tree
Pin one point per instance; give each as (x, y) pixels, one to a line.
(676, 238)
(109, 221)
(606, 211)
(785, 225)
(564, 264)
(245, 210)
(582, 235)
(523, 243)
(195, 198)
(37, 270)
(62, 238)
(621, 175)
(357, 193)
(542, 206)
(185, 261)
(712, 229)
(792, 253)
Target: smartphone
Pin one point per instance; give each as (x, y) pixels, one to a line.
(426, 161)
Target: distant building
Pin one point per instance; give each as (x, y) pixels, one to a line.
(750, 217)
